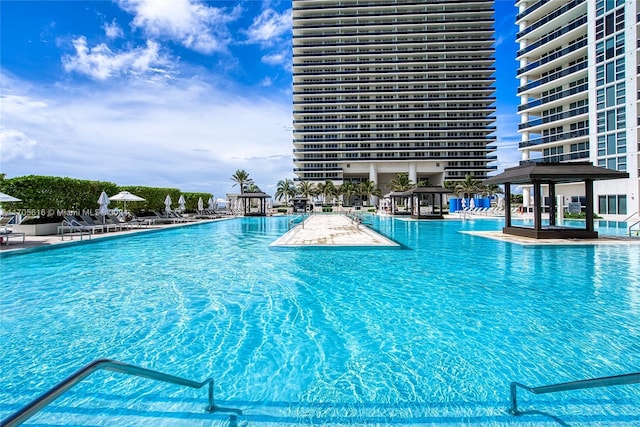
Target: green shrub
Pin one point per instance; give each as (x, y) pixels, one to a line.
(50, 196)
(581, 215)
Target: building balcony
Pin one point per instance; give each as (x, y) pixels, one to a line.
(531, 9)
(558, 158)
(553, 77)
(553, 37)
(554, 118)
(556, 96)
(556, 55)
(548, 18)
(562, 137)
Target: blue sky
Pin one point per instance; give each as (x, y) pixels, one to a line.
(168, 93)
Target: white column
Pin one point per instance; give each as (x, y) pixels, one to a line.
(560, 208)
(373, 172)
(373, 176)
(413, 173)
(526, 196)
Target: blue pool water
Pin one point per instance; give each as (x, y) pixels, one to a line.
(431, 334)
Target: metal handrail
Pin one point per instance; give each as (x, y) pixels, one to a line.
(629, 229)
(624, 379)
(293, 220)
(43, 400)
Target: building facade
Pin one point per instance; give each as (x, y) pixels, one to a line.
(393, 86)
(579, 82)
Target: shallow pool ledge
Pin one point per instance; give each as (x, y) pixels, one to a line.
(332, 231)
(529, 241)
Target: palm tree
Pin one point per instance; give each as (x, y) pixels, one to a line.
(327, 189)
(306, 189)
(347, 189)
(251, 187)
(286, 188)
(401, 182)
(450, 185)
(468, 187)
(241, 177)
(491, 190)
(368, 189)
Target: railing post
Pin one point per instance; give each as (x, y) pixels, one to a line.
(212, 406)
(514, 399)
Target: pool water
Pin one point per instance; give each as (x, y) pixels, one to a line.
(431, 334)
(603, 227)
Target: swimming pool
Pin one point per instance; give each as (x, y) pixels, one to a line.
(428, 335)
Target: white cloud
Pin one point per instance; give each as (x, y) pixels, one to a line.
(276, 58)
(100, 62)
(113, 31)
(266, 82)
(15, 145)
(507, 141)
(269, 26)
(183, 134)
(189, 22)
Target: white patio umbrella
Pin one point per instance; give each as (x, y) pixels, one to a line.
(200, 204)
(463, 202)
(472, 203)
(103, 201)
(125, 196)
(8, 198)
(181, 203)
(167, 204)
(210, 203)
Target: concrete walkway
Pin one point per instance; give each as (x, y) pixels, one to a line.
(332, 230)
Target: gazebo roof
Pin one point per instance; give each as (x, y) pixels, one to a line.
(429, 190)
(254, 196)
(554, 172)
(397, 194)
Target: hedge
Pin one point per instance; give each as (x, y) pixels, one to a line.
(50, 196)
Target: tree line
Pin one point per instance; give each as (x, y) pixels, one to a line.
(287, 189)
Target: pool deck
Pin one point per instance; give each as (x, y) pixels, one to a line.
(332, 230)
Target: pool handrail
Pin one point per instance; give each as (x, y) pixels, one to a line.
(43, 400)
(624, 379)
(293, 220)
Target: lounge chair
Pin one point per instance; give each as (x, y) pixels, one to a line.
(72, 224)
(91, 222)
(164, 219)
(180, 217)
(6, 233)
(112, 219)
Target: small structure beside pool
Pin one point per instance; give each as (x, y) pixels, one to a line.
(551, 174)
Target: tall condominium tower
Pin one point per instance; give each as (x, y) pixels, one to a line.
(393, 86)
(579, 81)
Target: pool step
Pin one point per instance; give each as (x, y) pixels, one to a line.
(111, 410)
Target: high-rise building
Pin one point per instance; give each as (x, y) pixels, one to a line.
(393, 86)
(579, 82)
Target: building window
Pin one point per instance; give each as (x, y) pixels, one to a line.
(612, 204)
